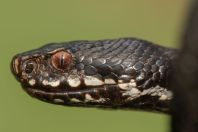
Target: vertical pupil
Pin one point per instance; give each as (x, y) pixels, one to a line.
(62, 61)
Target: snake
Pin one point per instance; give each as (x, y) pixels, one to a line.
(123, 73)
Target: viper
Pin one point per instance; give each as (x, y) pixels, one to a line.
(113, 73)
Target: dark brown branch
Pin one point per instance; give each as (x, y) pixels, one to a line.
(185, 83)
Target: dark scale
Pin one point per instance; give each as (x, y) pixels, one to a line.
(139, 52)
(125, 78)
(108, 52)
(143, 59)
(80, 66)
(104, 70)
(147, 67)
(97, 62)
(90, 70)
(151, 61)
(112, 76)
(121, 53)
(148, 84)
(134, 60)
(159, 62)
(87, 61)
(118, 69)
(154, 68)
(130, 71)
(115, 61)
(138, 66)
(127, 63)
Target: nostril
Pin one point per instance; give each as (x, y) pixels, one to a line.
(29, 67)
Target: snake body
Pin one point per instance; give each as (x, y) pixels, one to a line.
(113, 73)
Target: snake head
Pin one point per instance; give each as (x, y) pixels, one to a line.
(120, 72)
(59, 74)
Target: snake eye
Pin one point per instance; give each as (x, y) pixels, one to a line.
(61, 60)
(29, 66)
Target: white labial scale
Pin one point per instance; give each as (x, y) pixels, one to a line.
(52, 83)
(163, 97)
(88, 98)
(92, 81)
(58, 101)
(161, 92)
(45, 82)
(32, 82)
(74, 80)
(124, 86)
(133, 93)
(167, 95)
(133, 83)
(127, 86)
(75, 100)
(109, 81)
(101, 100)
(158, 91)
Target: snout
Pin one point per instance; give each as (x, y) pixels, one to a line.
(14, 66)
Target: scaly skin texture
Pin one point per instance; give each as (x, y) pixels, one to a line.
(115, 73)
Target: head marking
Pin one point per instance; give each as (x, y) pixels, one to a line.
(51, 83)
(74, 80)
(32, 82)
(92, 81)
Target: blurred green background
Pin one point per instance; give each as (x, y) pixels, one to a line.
(28, 24)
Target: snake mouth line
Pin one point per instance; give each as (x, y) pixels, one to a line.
(101, 96)
(64, 92)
